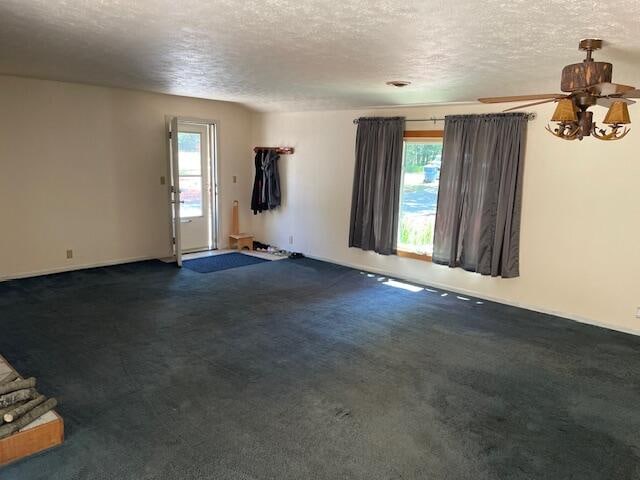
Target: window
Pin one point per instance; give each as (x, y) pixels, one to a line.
(419, 193)
(190, 167)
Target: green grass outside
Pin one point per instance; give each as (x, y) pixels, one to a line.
(417, 231)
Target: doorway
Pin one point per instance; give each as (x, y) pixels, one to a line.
(193, 177)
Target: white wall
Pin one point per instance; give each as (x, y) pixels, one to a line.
(80, 169)
(580, 252)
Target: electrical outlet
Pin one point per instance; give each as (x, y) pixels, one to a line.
(162, 180)
(290, 239)
(638, 312)
(235, 179)
(69, 253)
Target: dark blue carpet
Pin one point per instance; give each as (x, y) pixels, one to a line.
(304, 370)
(224, 261)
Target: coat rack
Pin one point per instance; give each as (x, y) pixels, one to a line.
(278, 150)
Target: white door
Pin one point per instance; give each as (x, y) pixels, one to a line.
(175, 189)
(195, 186)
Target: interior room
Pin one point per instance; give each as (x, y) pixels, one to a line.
(319, 240)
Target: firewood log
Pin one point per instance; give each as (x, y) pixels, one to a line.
(17, 396)
(27, 418)
(10, 407)
(10, 377)
(12, 415)
(17, 385)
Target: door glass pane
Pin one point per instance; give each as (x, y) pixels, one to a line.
(190, 157)
(191, 196)
(419, 195)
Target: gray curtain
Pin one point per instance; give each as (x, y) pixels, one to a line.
(376, 184)
(478, 217)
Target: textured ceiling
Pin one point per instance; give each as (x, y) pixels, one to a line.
(316, 54)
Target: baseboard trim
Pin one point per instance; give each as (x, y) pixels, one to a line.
(481, 296)
(84, 266)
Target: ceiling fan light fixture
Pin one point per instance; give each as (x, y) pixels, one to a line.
(616, 118)
(566, 112)
(618, 114)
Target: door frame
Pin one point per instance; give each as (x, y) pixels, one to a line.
(205, 219)
(214, 159)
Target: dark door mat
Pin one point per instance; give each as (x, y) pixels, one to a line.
(224, 261)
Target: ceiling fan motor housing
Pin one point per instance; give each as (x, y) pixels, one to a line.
(580, 76)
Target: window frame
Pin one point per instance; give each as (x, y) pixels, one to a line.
(408, 136)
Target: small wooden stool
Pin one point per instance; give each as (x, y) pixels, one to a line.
(241, 241)
(236, 239)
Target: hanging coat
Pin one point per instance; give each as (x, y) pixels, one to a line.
(256, 196)
(266, 183)
(271, 180)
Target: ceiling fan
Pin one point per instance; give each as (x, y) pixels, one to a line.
(585, 84)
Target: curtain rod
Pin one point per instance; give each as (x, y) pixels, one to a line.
(530, 116)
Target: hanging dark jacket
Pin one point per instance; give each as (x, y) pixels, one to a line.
(266, 183)
(271, 180)
(256, 196)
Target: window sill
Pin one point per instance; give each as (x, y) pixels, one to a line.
(416, 256)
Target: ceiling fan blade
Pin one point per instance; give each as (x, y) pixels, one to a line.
(605, 89)
(521, 98)
(608, 101)
(631, 94)
(530, 104)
